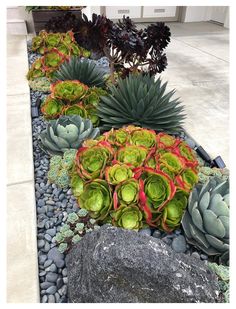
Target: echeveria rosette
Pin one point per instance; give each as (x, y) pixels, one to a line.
(52, 40)
(131, 154)
(158, 189)
(52, 108)
(126, 193)
(92, 114)
(36, 70)
(143, 137)
(173, 211)
(171, 163)
(128, 217)
(91, 161)
(96, 199)
(187, 179)
(166, 141)
(118, 137)
(52, 60)
(187, 153)
(75, 109)
(77, 185)
(69, 90)
(117, 173)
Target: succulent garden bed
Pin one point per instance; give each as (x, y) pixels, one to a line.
(109, 149)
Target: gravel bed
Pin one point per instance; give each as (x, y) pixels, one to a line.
(53, 205)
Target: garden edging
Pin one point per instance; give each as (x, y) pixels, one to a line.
(22, 264)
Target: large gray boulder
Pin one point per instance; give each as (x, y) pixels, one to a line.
(114, 265)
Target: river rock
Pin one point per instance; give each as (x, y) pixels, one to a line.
(114, 265)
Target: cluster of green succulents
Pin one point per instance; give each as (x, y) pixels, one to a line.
(46, 65)
(60, 168)
(66, 132)
(40, 84)
(133, 177)
(76, 226)
(222, 272)
(206, 220)
(63, 42)
(142, 101)
(206, 172)
(71, 97)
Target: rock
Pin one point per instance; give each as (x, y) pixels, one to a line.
(42, 259)
(179, 244)
(60, 263)
(55, 255)
(48, 237)
(41, 202)
(114, 265)
(51, 299)
(41, 243)
(51, 277)
(45, 285)
(156, 234)
(60, 283)
(51, 232)
(196, 255)
(52, 268)
(146, 231)
(44, 299)
(204, 257)
(47, 263)
(51, 290)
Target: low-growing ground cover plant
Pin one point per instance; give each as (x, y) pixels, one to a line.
(133, 177)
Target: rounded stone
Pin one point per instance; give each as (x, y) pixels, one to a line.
(156, 234)
(41, 202)
(64, 272)
(41, 243)
(51, 299)
(167, 240)
(204, 257)
(52, 268)
(60, 283)
(47, 263)
(45, 285)
(51, 290)
(48, 237)
(196, 255)
(44, 299)
(179, 244)
(59, 263)
(146, 231)
(46, 247)
(42, 259)
(51, 277)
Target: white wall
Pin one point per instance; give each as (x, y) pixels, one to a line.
(197, 13)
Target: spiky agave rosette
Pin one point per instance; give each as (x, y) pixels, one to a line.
(133, 177)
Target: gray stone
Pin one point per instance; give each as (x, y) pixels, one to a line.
(61, 196)
(45, 285)
(57, 297)
(51, 290)
(179, 244)
(51, 277)
(60, 283)
(146, 231)
(167, 240)
(156, 234)
(41, 243)
(46, 247)
(42, 259)
(204, 257)
(56, 256)
(41, 202)
(196, 255)
(115, 265)
(44, 299)
(42, 273)
(48, 237)
(51, 299)
(50, 202)
(47, 263)
(60, 263)
(52, 268)
(64, 272)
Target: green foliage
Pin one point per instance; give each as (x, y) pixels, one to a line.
(141, 101)
(222, 272)
(64, 42)
(67, 132)
(206, 221)
(75, 227)
(133, 167)
(83, 70)
(40, 84)
(60, 167)
(206, 172)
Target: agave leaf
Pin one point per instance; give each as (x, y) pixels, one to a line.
(68, 133)
(197, 218)
(198, 236)
(204, 202)
(58, 140)
(221, 188)
(225, 222)
(218, 206)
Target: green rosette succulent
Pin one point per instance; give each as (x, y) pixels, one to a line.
(92, 114)
(126, 193)
(52, 40)
(68, 90)
(66, 132)
(134, 155)
(37, 42)
(117, 173)
(158, 188)
(187, 179)
(52, 60)
(118, 137)
(143, 137)
(166, 141)
(128, 217)
(75, 109)
(96, 199)
(77, 185)
(206, 220)
(36, 70)
(52, 108)
(170, 162)
(173, 211)
(40, 84)
(93, 96)
(91, 162)
(187, 153)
